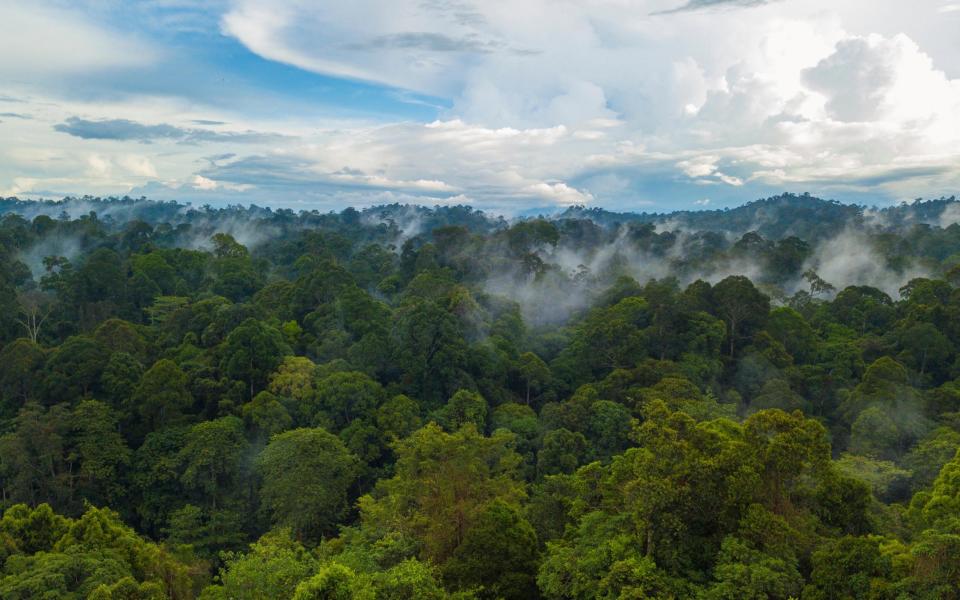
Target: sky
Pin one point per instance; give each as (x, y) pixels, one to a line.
(506, 105)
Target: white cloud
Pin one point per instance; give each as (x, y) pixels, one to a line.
(558, 101)
(882, 79)
(137, 165)
(781, 93)
(560, 193)
(100, 166)
(730, 180)
(20, 185)
(204, 183)
(38, 40)
(700, 166)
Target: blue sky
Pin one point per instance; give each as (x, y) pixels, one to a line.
(645, 105)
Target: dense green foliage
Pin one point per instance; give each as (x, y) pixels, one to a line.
(413, 403)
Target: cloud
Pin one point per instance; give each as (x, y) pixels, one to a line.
(103, 167)
(517, 104)
(707, 4)
(127, 130)
(38, 40)
(13, 115)
(431, 42)
(137, 165)
(875, 78)
(349, 177)
(559, 193)
(206, 184)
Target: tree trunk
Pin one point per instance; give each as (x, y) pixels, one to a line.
(733, 335)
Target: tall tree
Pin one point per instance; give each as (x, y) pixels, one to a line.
(305, 476)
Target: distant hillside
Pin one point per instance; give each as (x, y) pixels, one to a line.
(804, 216)
(778, 217)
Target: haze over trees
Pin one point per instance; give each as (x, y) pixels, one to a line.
(404, 402)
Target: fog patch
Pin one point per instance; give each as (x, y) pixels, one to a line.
(852, 258)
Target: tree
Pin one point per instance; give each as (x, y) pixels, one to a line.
(155, 477)
(224, 246)
(266, 415)
(272, 568)
(788, 327)
(120, 379)
(296, 379)
(100, 450)
(33, 456)
(20, 363)
(534, 372)
(162, 395)
(747, 573)
(817, 285)
(35, 307)
(408, 580)
(251, 352)
(305, 475)
(498, 553)
(442, 483)
(117, 335)
(608, 428)
(741, 305)
(333, 582)
(850, 567)
(398, 417)
(211, 459)
(343, 397)
(93, 555)
(430, 350)
(464, 407)
(73, 370)
(926, 347)
(562, 452)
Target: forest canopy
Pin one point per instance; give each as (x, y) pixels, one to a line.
(406, 402)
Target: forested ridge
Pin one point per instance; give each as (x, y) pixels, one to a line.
(404, 402)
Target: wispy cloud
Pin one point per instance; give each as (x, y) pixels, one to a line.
(127, 130)
(428, 41)
(692, 5)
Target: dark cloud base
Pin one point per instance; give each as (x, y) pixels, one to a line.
(127, 130)
(693, 5)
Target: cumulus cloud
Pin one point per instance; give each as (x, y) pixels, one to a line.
(544, 101)
(783, 97)
(206, 184)
(560, 193)
(875, 78)
(104, 167)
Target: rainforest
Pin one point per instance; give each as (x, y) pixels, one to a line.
(407, 402)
